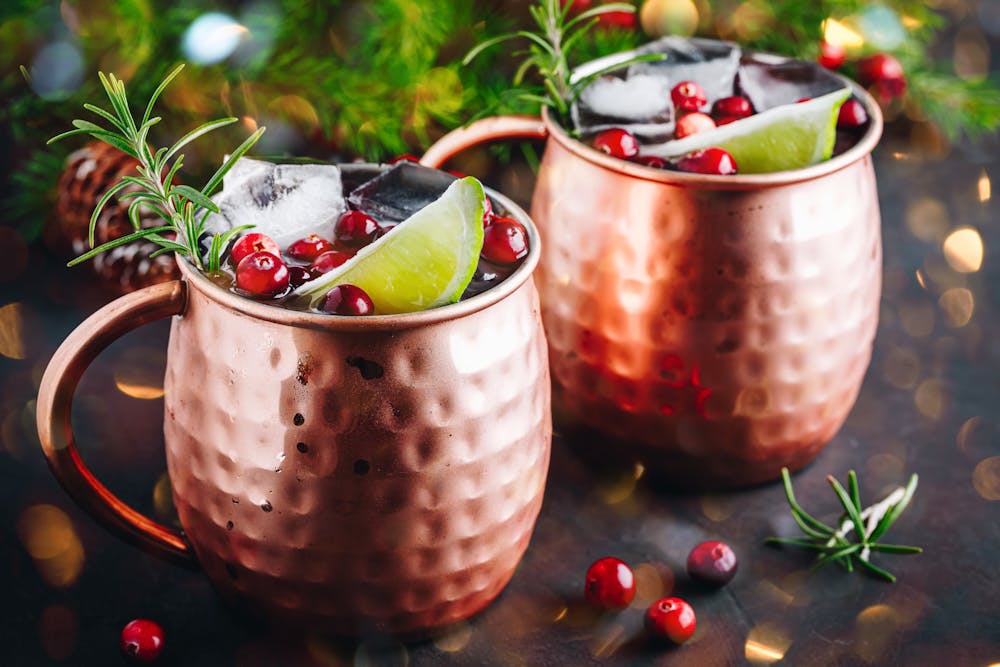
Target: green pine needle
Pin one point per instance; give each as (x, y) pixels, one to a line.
(832, 543)
(154, 186)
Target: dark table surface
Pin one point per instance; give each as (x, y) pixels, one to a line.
(928, 405)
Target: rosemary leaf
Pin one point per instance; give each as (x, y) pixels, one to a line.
(120, 241)
(853, 512)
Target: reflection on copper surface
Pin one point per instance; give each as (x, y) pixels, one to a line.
(958, 305)
(766, 644)
(12, 331)
(984, 187)
(963, 249)
(930, 398)
(772, 592)
(608, 639)
(139, 373)
(986, 478)
(927, 219)
(49, 537)
(58, 630)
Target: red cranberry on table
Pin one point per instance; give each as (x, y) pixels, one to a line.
(711, 161)
(693, 123)
(142, 640)
(610, 584)
(262, 274)
(672, 618)
(328, 261)
(347, 300)
(852, 114)
(712, 562)
(617, 143)
(617, 20)
(831, 56)
(355, 229)
(734, 107)
(688, 96)
(251, 243)
(505, 241)
(309, 248)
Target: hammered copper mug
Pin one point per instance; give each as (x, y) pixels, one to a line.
(343, 474)
(715, 327)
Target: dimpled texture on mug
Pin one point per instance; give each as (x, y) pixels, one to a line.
(723, 333)
(349, 482)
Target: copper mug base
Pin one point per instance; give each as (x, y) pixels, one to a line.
(339, 475)
(717, 328)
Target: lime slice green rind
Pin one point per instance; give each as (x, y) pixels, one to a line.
(788, 137)
(425, 261)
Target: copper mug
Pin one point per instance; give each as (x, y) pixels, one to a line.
(339, 473)
(716, 327)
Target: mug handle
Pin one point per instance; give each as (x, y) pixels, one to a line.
(55, 397)
(482, 131)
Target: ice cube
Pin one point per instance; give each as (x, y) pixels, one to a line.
(710, 63)
(770, 83)
(640, 104)
(285, 201)
(399, 192)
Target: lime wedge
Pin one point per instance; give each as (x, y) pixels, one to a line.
(426, 261)
(791, 136)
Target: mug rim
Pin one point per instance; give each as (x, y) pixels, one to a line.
(863, 147)
(278, 315)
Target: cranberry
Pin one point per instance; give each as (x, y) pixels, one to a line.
(802, 99)
(617, 143)
(309, 248)
(672, 618)
(852, 114)
(610, 584)
(712, 562)
(693, 123)
(831, 56)
(298, 276)
(488, 215)
(355, 229)
(328, 261)
(688, 96)
(347, 300)
(617, 20)
(262, 274)
(726, 120)
(711, 161)
(883, 73)
(651, 161)
(251, 243)
(505, 241)
(405, 157)
(142, 640)
(733, 107)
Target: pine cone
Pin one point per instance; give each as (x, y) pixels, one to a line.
(88, 174)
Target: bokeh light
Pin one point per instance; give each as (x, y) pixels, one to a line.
(928, 219)
(212, 38)
(58, 629)
(931, 398)
(963, 250)
(139, 373)
(984, 187)
(669, 17)
(50, 539)
(958, 305)
(986, 478)
(841, 34)
(12, 331)
(875, 627)
(57, 70)
(881, 27)
(766, 644)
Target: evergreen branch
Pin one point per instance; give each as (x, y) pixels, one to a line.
(176, 204)
(833, 546)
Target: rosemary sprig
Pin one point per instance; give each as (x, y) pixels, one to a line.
(548, 53)
(183, 208)
(868, 525)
